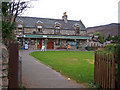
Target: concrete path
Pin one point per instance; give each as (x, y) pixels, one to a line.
(37, 75)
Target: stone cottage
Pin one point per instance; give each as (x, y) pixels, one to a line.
(52, 33)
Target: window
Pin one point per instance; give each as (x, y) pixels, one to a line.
(77, 30)
(72, 43)
(19, 26)
(57, 29)
(39, 28)
(20, 29)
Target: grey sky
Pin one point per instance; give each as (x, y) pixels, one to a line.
(91, 12)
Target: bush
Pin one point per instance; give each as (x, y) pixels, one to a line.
(113, 48)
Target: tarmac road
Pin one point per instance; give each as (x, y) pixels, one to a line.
(38, 75)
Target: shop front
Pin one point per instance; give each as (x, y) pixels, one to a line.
(54, 41)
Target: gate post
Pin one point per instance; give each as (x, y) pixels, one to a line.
(95, 66)
(13, 65)
(118, 67)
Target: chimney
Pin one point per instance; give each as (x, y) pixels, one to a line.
(64, 17)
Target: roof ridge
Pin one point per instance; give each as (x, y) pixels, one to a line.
(47, 18)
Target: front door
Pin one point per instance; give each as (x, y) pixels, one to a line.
(39, 43)
(50, 44)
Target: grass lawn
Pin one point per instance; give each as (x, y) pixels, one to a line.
(78, 65)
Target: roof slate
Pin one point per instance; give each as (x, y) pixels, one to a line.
(30, 22)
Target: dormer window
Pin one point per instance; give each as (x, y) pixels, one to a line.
(57, 29)
(39, 28)
(77, 28)
(19, 28)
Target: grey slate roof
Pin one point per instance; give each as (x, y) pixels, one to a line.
(30, 22)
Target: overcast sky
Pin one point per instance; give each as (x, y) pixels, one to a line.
(91, 12)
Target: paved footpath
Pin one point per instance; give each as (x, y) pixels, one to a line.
(38, 75)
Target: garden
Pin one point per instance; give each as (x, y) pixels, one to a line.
(76, 65)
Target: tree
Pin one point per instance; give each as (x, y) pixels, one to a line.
(10, 10)
(109, 38)
(115, 38)
(101, 38)
(14, 8)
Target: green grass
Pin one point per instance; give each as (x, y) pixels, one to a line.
(78, 65)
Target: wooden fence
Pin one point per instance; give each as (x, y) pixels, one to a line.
(104, 70)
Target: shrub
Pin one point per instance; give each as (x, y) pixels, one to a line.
(113, 48)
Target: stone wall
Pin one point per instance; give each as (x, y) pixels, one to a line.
(82, 32)
(29, 30)
(67, 32)
(51, 31)
(48, 31)
(4, 64)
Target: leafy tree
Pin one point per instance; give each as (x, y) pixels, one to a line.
(119, 38)
(115, 38)
(7, 30)
(109, 37)
(10, 10)
(100, 37)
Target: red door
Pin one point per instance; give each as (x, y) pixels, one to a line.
(50, 44)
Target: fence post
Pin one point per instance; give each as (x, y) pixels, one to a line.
(109, 71)
(13, 65)
(118, 67)
(105, 57)
(113, 72)
(99, 69)
(95, 68)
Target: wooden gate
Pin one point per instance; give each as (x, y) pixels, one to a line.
(50, 44)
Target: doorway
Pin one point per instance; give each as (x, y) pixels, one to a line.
(39, 43)
(50, 44)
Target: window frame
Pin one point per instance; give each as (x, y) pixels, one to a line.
(20, 29)
(57, 28)
(77, 28)
(40, 30)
